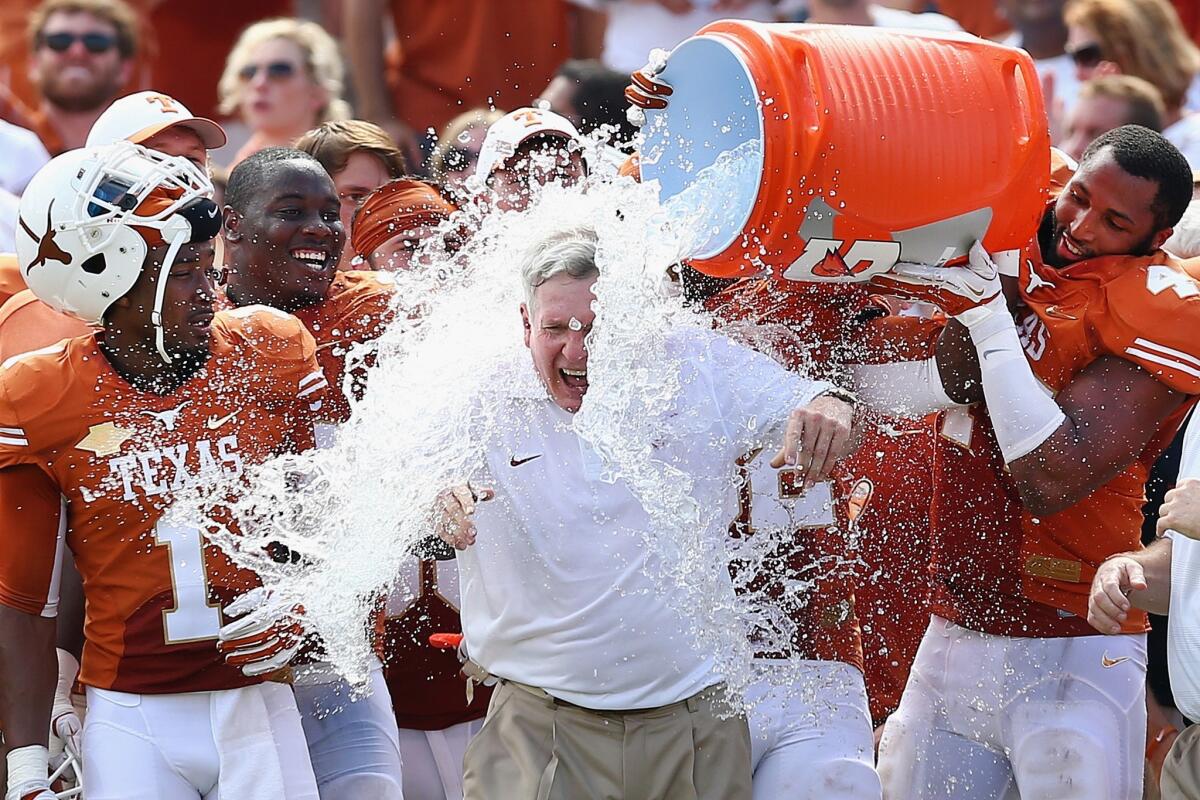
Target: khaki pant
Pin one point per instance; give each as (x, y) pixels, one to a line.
(533, 747)
(1181, 771)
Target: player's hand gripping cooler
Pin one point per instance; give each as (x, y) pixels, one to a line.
(832, 153)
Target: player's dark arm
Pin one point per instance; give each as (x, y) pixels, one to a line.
(28, 664)
(958, 364)
(1112, 409)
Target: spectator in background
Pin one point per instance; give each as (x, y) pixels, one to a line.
(528, 148)
(158, 122)
(1109, 102)
(283, 77)
(1142, 38)
(590, 95)
(457, 151)
(82, 55)
(450, 56)
(1039, 29)
(360, 157)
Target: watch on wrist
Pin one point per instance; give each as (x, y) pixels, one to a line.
(838, 393)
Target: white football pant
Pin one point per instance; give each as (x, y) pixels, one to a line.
(353, 741)
(237, 744)
(433, 760)
(812, 741)
(987, 717)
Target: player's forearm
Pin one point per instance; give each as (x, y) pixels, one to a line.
(28, 675)
(1156, 564)
(362, 20)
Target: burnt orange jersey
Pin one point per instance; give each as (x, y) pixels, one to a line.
(11, 279)
(428, 693)
(356, 310)
(817, 323)
(27, 323)
(998, 568)
(114, 456)
(892, 473)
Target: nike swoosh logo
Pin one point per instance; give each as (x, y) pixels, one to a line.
(1058, 313)
(213, 423)
(212, 212)
(516, 462)
(1108, 663)
(987, 353)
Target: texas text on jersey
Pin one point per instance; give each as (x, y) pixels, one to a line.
(85, 456)
(1038, 571)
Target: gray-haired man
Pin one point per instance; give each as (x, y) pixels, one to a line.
(602, 691)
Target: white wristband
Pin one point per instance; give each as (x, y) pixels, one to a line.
(28, 771)
(904, 389)
(1022, 411)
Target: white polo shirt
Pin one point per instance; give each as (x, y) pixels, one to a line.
(1183, 635)
(556, 591)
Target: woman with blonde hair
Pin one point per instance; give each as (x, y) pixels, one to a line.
(1143, 38)
(283, 77)
(453, 159)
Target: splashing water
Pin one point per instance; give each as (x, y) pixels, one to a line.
(354, 510)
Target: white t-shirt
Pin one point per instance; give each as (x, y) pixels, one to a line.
(24, 155)
(635, 28)
(556, 591)
(1185, 134)
(885, 17)
(1183, 635)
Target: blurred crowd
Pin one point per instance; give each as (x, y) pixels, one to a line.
(433, 75)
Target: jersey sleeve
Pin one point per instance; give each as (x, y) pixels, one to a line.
(1153, 316)
(33, 521)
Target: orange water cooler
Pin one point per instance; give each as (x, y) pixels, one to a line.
(832, 152)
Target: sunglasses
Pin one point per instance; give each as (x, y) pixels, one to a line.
(1089, 55)
(94, 42)
(276, 70)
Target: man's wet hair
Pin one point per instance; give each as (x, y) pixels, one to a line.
(1144, 153)
(254, 173)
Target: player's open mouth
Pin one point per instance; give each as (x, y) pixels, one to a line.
(1068, 249)
(201, 319)
(574, 378)
(315, 259)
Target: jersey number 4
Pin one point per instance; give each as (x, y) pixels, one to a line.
(192, 619)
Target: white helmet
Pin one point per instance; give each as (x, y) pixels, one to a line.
(89, 217)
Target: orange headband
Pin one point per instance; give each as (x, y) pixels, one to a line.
(395, 207)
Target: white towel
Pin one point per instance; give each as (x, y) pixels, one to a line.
(249, 758)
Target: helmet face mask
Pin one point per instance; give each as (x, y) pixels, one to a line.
(104, 208)
(89, 217)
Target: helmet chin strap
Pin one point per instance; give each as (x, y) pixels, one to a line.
(160, 292)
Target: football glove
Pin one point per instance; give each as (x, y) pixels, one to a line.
(266, 638)
(963, 292)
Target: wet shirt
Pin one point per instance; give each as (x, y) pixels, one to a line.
(557, 591)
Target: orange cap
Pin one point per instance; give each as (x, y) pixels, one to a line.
(393, 208)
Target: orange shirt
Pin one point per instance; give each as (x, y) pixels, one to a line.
(27, 323)
(808, 326)
(113, 456)
(356, 310)
(11, 279)
(999, 569)
(452, 57)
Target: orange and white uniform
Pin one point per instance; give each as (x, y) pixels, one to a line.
(352, 740)
(90, 462)
(27, 323)
(815, 737)
(1010, 682)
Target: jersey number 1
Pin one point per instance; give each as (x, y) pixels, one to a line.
(191, 619)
